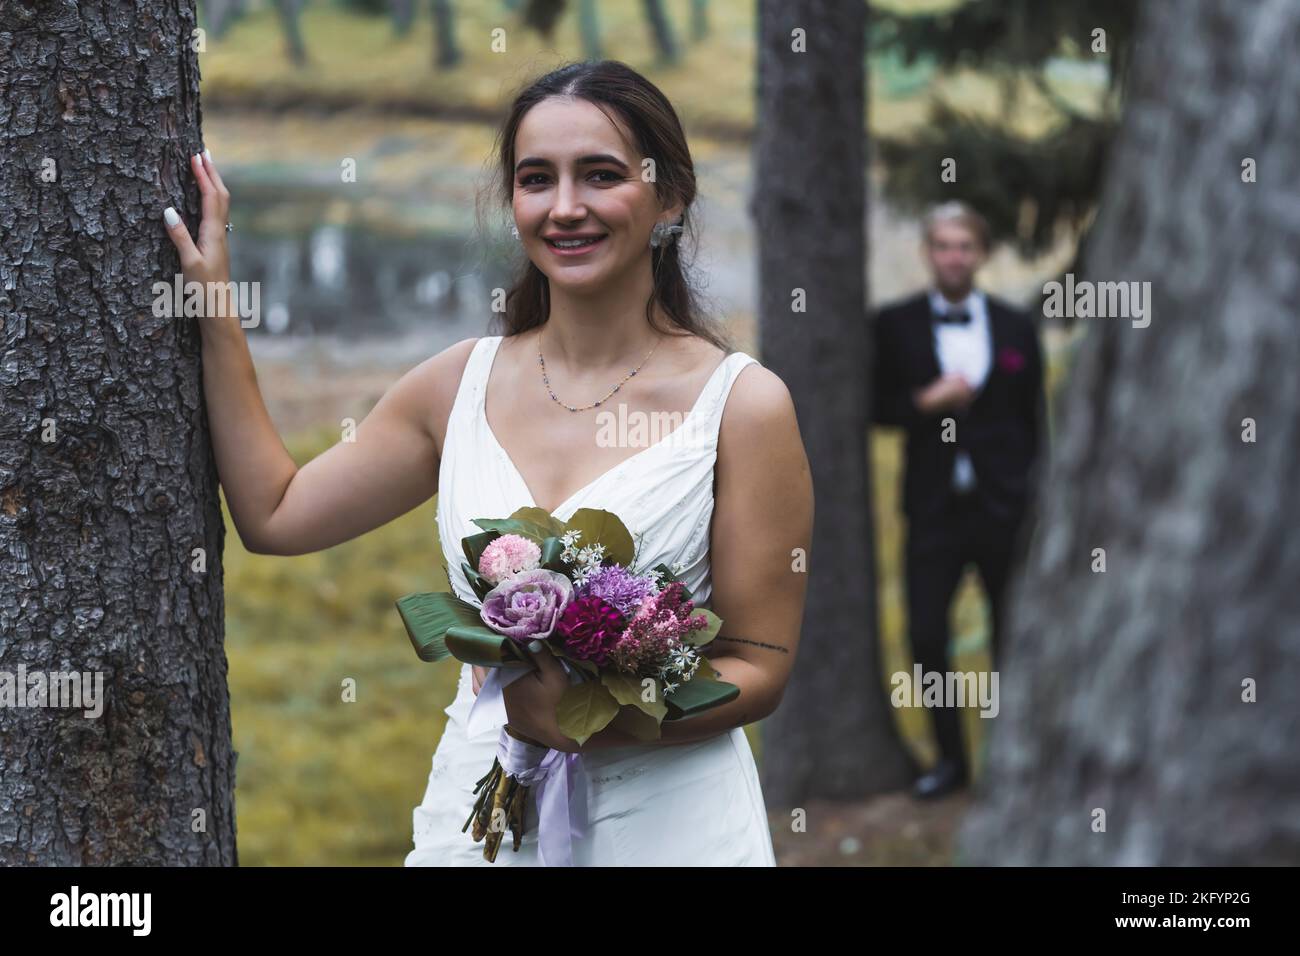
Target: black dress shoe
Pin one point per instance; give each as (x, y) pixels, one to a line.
(946, 777)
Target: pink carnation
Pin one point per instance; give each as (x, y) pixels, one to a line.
(507, 556)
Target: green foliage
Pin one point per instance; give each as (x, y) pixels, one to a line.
(1028, 183)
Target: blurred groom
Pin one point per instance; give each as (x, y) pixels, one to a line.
(962, 373)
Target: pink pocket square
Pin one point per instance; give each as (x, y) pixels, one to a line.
(1010, 360)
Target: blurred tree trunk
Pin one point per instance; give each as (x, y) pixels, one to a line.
(220, 14)
(290, 12)
(661, 30)
(403, 15)
(833, 735)
(1123, 691)
(107, 484)
(589, 25)
(700, 20)
(446, 53)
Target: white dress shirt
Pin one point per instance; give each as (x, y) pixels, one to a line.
(967, 350)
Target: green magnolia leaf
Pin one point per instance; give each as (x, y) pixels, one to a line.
(473, 545)
(585, 709)
(603, 527)
(668, 578)
(638, 724)
(702, 692)
(532, 523)
(705, 634)
(629, 691)
(542, 518)
(427, 617)
(550, 560)
(479, 644)
(480, 585)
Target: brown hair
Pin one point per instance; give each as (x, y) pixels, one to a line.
(657, 133)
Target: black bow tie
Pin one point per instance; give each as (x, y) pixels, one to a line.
(955, 317)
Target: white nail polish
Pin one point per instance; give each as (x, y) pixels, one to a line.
(207, 153)
(171, 216)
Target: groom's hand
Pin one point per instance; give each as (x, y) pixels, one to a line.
(950, 392)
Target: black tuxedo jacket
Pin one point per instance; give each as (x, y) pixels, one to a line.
(1002, 430)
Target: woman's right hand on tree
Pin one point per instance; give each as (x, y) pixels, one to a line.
(209, 260)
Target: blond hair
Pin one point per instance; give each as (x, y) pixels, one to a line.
(957, 211)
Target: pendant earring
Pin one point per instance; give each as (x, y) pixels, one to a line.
(514, 231)
(662, 234)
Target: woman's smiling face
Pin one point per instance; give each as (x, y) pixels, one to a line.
(578, 177)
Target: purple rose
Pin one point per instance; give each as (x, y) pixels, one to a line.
(527, 606)
(590, 627)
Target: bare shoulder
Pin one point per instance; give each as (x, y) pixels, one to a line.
(761, 455)
(759, 407)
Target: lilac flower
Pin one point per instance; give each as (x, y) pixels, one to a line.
(528, 605)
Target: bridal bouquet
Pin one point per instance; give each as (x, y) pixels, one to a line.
(629, 639)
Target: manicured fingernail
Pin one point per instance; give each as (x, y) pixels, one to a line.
(535, 646)
(207, 153)
(171, 216)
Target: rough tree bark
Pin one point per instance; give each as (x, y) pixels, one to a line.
(1123, 690)
(833, 735)
(107, 484)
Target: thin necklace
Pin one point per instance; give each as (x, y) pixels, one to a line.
(547, 382)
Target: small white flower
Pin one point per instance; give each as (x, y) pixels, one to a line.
(669, 688)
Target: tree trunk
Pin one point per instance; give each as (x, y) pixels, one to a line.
(403, 16)
(290, 12)
(699, 20)
(661, 30)
(446, 53)
(589, 27)
(107, 484)
(1127, 691)
(833, 735)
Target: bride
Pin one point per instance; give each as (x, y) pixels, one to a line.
(594, 166)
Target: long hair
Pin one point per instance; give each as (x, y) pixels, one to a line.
(657, 133)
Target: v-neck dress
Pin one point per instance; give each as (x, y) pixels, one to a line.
(693, 804)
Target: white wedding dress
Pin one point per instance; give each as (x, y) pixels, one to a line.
(693, 804)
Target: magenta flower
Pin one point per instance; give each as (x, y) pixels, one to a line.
(590, 628)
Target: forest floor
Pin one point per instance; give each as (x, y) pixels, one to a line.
(892, 829)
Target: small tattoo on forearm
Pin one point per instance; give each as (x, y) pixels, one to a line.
(741, 640)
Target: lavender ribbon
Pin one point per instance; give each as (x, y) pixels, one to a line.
(560, 787)
(558, 778)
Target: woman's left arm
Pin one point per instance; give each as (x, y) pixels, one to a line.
(760, 544)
